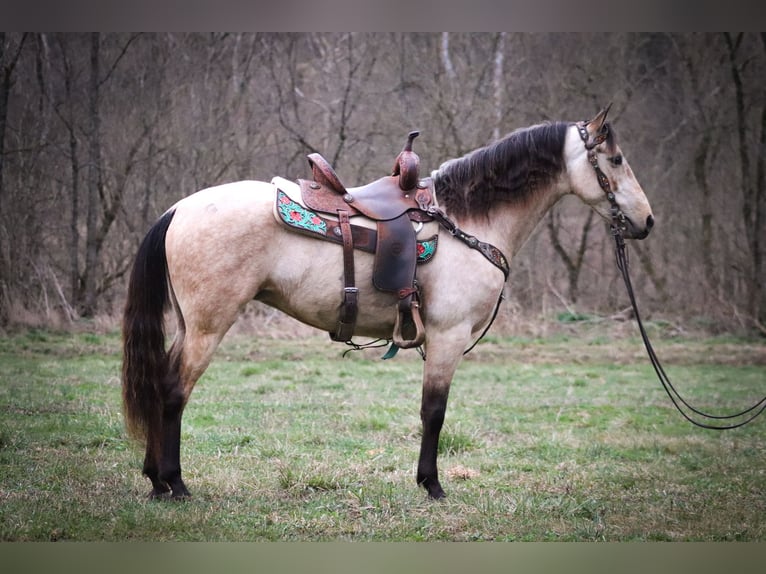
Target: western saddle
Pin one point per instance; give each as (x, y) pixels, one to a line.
(394, 202)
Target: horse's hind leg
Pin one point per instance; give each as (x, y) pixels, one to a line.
(189, 357)
(174, 399)
(159, 468)
(152, 467)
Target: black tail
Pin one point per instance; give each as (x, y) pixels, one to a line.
(145, 361)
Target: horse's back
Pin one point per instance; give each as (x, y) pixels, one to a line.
(237, 195)
(209, 224)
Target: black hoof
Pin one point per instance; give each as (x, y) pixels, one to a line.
(165, 492)
(437, 494)
(159, 494)
(180, 492)
(433, 488)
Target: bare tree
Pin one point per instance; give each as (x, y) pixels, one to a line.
(321, 81)
(498, 83)
(572, 261)
(9, 57)
(65, 110)
(751, 179)
(103, 204)
(449, 69)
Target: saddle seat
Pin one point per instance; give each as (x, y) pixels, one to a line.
(382, 200)
(393, 202)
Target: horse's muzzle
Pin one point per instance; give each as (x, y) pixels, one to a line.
(635, 232)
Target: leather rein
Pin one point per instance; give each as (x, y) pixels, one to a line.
(617, 226)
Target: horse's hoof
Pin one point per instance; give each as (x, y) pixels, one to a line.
(437, 494)
(158, 494)
(181, 493)
(433, 488)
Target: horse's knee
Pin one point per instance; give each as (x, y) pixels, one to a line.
(432, 414)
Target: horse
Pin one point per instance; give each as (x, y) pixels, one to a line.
(217, 249)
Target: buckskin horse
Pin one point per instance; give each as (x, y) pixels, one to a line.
(217, 249)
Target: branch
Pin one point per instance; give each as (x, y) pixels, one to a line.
(111, 208)
(584, 239)
(281, 111)
(119, 57)
(740, 316)
(14, 60)
(560, 297)
(110, 279)
(557, 246)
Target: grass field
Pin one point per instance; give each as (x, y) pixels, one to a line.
(564, 438)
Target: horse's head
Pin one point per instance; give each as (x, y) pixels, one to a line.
(602, 178)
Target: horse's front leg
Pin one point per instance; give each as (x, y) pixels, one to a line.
(441, 362)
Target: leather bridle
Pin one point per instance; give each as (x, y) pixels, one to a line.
(617, 225)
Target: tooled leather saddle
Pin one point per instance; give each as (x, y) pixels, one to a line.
(393, 202)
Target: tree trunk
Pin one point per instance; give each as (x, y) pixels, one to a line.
(449, 69)
(752, 192)
(700, 176)
(74, 163)
(95, 182)
(572, 263)
(759, 202)
(8, 63)
(5, 90)
(498, 84)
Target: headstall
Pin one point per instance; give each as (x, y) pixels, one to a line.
(618, 217)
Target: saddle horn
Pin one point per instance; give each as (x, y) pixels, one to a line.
(407, 164)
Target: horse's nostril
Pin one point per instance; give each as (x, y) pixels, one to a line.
(649, 222)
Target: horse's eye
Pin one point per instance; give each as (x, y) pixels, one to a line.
(616, 160)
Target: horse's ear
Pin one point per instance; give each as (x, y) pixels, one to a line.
(596, 125)
(597, 122)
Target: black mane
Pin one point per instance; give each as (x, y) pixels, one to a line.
(511, 169)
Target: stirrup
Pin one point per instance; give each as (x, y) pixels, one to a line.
(415, 323)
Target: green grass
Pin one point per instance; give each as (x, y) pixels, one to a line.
(567, 438)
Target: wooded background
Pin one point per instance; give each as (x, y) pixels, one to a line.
(100, 133)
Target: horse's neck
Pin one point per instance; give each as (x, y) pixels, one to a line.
(508, 226)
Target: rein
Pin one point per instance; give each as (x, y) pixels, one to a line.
(617, 227)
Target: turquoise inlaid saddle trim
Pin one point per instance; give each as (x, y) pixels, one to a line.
(295, 215)
(427, 249)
